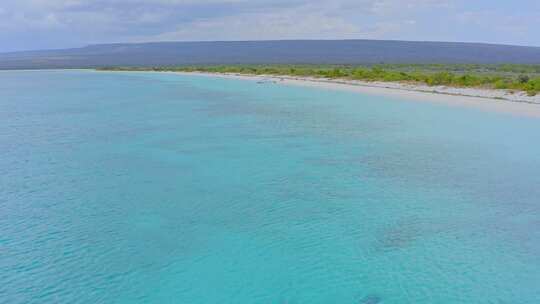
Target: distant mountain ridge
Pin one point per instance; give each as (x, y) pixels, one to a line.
(270, 52)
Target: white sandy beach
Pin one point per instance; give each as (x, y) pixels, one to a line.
(485, 99)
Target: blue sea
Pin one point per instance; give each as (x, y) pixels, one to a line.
(119, 187)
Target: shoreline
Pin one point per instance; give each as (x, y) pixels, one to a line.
(490, 100)
(484, 99)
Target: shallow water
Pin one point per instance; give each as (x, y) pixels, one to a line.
(160, 188)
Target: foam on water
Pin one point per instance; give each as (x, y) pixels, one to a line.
(160, 188)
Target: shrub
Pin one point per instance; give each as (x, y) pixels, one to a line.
(523, 79)
(360, 73)
(501, 84)
(441, 78)
(533, 87)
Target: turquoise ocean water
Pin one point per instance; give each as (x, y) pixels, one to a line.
(159, 188)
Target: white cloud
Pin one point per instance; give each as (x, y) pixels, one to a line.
(507, 24)
(95, 21)
(286, 25)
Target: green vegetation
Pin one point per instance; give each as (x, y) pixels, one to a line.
(504, 76)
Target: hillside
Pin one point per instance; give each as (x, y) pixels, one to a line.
(271, 52)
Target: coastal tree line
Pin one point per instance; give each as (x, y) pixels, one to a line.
(506, 76)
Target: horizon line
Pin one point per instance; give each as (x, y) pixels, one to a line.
(264, 40)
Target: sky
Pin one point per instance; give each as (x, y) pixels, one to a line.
(52, 24)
